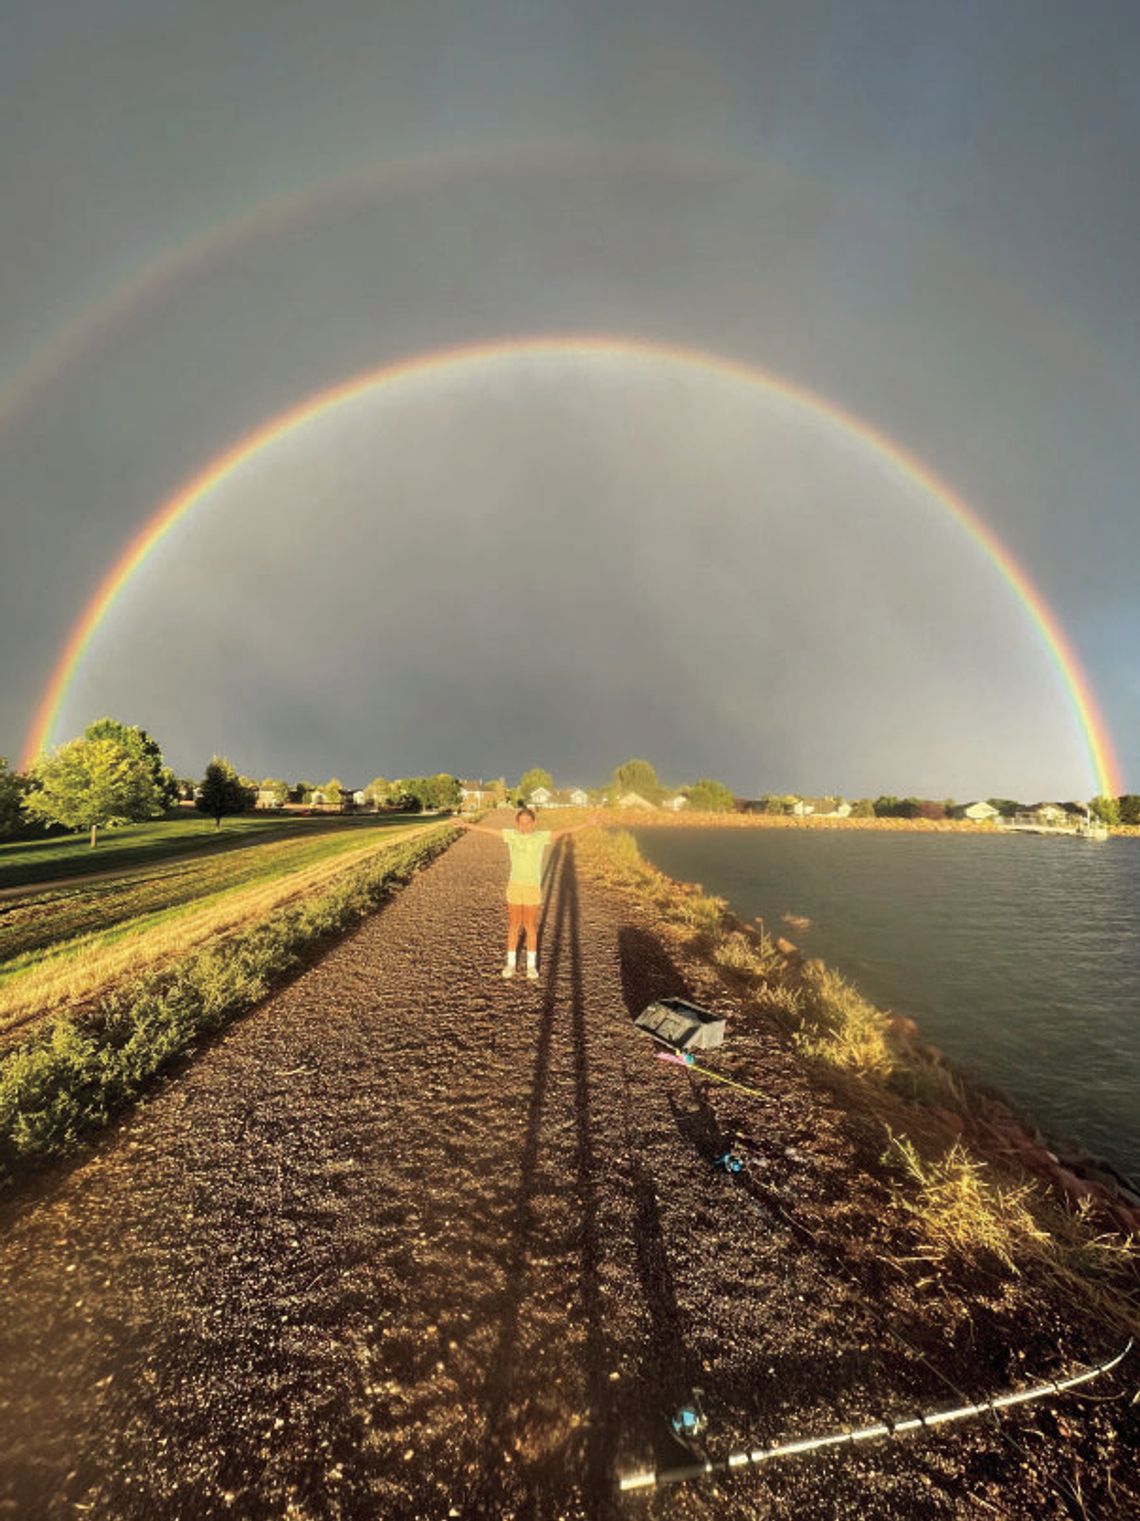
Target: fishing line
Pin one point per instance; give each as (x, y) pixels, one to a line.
(739, 1177)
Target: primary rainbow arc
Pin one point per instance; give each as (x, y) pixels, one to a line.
(1093, 728)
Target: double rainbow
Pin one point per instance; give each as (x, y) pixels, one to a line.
(1103, 766)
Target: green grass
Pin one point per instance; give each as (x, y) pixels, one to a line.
(37, 922)
(178, 834)
(74, 1073)
(72, 945)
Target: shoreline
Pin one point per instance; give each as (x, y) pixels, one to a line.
(645, 818)
(970, 1108)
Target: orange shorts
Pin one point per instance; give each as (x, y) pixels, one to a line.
(529, 894)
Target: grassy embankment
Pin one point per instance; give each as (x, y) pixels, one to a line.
(69, 945)
(129, 845)
(967, 1208)
(75, 1070)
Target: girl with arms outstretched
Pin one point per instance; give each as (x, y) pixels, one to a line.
(527, 846)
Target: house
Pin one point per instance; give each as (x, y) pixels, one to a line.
(578, 798)
(1049, 814)
(801, 808)
(475, 795)
(978, 811)
(541, 797)
(266, 798)
(676, 803)
(825, 807)
(326, 805)
(634, 800)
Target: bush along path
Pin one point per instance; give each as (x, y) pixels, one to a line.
(409, 1240)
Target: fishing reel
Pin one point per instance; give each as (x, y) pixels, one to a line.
(730, 1162)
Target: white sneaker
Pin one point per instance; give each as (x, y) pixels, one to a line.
(532, 973)
(509, 970)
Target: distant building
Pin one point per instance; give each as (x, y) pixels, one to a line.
(1050, 814)
(978, 811)
(802, 807)
(474, 796)
(825, 807)
(541, 797)
(578, 798)
(676, 803)
(634, 800)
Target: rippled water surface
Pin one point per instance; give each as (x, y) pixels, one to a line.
(1018, 955)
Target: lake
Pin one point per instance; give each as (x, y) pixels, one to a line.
(1018, 955)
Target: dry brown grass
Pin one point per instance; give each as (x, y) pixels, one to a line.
(840, 1027)
(961, 1214)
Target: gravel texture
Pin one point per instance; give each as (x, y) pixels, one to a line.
(412, 1241)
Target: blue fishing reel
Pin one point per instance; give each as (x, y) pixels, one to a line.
(729, 1162)
(689, 1420)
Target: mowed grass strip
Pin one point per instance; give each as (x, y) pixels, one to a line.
(60, 914)
(85, 966)
(128, 845)
(72, 1073)
(181, 833)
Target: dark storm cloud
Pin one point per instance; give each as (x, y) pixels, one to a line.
(916, 212)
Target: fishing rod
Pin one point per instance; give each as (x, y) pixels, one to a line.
(735, 1168)
(651, 1479)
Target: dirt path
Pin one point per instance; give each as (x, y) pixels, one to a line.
(412, 1241)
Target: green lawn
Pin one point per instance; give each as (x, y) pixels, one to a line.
(64, 945)
(70, 855)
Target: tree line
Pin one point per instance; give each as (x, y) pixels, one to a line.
(114, 773)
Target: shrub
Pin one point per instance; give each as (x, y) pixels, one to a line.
(71, 1078)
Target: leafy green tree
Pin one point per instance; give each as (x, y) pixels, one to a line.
(1106, 809)
(378, 792)
(332, 792)
(405, 795)
(637, 776)
(221, 791)
(12, 788)
(303, 792)
(90, 783)
(531, 780)
(863, 808)
(1129, 805)
(445, 790)
(277, 789)
(886, 807)
(140, 743)
(709, 796)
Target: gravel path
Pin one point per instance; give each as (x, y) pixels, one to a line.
(412, 1241)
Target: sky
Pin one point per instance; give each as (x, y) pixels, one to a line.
(908, 222)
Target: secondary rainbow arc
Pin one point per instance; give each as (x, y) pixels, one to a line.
(1104, 769)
